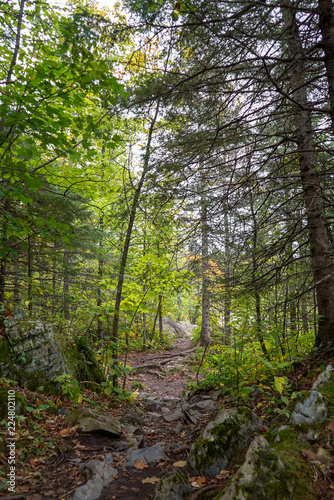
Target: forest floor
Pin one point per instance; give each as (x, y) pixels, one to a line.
(49, 450)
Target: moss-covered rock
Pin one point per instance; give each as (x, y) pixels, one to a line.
(224, 437)
(174, 486)
(262, 476)
(92, 421)
(31, 354)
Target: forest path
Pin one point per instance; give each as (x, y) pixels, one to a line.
(162, 374)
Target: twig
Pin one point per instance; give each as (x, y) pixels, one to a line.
(200, 365)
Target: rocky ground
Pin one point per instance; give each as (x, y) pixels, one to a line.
(111, 449)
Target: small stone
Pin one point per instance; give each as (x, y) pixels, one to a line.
(153, 415)
(109, 458)
(171, 417)
(193, 415)
(206, 405)
(120, 445)
(151, 455)
(63, 411)
(178, 429)
(132, 418)
(310, 435)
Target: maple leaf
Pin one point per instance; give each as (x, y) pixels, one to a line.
(140, 465)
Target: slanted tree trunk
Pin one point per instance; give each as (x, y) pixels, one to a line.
(126, 246)
(322, 265)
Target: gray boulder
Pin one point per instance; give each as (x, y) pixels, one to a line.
(323, 378)
(99, 475)
(225, 436)
(262, 476)
(93, 421)
(174, 486)
(312, 411)
(31, 354)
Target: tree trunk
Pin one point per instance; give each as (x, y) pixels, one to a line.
(304, 316)
(127, 240)
(258, 326)
(161, 335)
(29, 266)
(66, 286)
(228, 275)
(326, 24)
(205, 327)
(320, 247)
(99, 290)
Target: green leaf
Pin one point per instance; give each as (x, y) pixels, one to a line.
(266, 362)
(279, 383)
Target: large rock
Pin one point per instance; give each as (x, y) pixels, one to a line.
(174, 486)
(93, 421)
(224, 437)
(323, 378)
(99, 475)
(30, 353)
(312, 411)
(262, 476)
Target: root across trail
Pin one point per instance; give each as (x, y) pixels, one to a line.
(162, 374)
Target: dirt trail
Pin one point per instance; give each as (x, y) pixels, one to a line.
(166, 379)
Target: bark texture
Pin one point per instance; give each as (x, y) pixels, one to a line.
(322, 264)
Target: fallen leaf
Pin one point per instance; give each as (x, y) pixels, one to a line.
(181, 463)
(151, 480)
(140, 465)
(194, 485)
(199, 480)
(309, 454)
(223, 474)
(65, 432)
